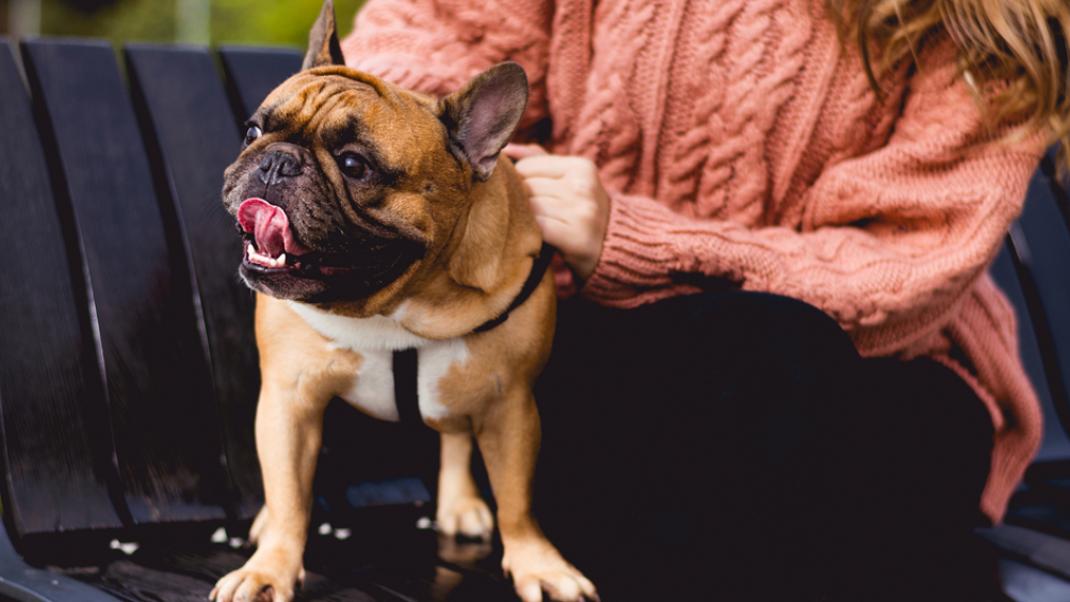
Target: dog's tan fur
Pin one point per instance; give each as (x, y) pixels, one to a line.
(481, 240)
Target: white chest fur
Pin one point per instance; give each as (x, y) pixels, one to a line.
(375, 339)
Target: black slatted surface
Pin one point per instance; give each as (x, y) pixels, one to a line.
(181, 98)
(163, 417)
(57, 448)
(384, 559)
(1032, 270)
(254, 72)
(1005, 272)
(1045, 224)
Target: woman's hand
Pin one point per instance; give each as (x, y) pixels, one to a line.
(571, 205)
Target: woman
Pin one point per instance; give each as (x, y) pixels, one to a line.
(712, 172)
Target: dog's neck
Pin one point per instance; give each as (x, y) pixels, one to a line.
(482, 270)
(492, 256)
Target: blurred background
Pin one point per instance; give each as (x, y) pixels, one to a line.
(264, 22)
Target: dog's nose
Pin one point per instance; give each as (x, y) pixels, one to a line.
(278, 165)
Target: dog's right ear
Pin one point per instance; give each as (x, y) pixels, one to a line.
(323, 46)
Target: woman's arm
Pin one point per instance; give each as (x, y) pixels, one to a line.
(435, 46)
(891, 240)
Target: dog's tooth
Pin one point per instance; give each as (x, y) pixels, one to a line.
(259, 258)
(265, 260)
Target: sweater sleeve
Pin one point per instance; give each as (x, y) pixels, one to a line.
(435, 46)
(890, 242)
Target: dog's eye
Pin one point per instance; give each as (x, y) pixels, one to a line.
(354, 166)
(252, 133)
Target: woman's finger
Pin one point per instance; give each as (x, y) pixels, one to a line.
(554, 232)
(546, 187)
(548, 166)
(523, 151)
(548, 207)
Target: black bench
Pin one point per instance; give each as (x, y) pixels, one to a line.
(128, 373)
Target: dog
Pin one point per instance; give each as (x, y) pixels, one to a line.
(381, 224)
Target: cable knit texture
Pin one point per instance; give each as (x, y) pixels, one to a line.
(741, 142)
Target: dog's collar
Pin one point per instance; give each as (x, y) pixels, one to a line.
(538, 268)
(405, 361)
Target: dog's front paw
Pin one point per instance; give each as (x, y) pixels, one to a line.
(537, 566)
(264, 578)
(467, 517)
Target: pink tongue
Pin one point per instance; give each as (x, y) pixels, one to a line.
(270, 226)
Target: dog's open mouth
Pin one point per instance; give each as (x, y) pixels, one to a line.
(270, 246)
(269, 241)
(272, 252)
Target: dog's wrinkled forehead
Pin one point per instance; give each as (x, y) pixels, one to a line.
(335, 106)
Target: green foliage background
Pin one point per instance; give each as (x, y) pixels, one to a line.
(271, 22)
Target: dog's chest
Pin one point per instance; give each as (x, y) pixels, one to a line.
(376, 339)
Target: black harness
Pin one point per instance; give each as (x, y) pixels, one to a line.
(406, 361)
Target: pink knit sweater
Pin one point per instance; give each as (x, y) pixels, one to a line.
(740, 140)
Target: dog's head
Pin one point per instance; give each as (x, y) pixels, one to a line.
(348, 187)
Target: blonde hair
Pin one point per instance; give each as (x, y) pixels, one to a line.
(1013, 53)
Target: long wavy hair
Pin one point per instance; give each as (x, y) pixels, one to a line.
(1013, 53)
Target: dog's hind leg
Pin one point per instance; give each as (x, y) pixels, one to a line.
(258, 526)
(461, 511)
(508, 435)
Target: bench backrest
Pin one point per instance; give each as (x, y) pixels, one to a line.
(1033, 270)
(128, 370)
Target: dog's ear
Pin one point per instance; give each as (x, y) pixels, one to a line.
(481, 116)
(323, 46)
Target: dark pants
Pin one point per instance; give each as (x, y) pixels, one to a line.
(734, 446)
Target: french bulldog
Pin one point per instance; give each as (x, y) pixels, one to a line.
(376, 220)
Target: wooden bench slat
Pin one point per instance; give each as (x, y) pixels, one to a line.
(1042, 242)
(56, 444)
(198, 136)
(23, 582)
(386, 560)
(1006, 270)
(163, 416)
(254, 72)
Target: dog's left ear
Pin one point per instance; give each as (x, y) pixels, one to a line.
(323, 46)
(481, 116)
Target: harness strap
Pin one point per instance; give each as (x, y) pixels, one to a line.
(406, 371)
(406, 361)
